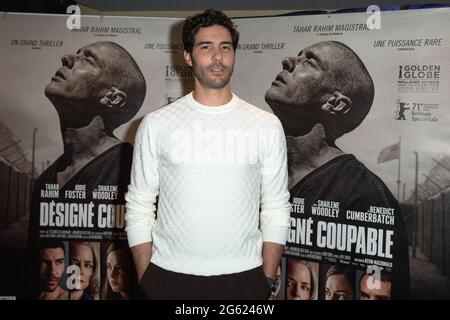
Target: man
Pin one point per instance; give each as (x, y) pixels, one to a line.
(373, 289)
(218, 167)
(322, 94)
(339, 283)
(51, 270)
(97, 89)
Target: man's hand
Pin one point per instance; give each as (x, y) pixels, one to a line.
(271, 260)
(141, 256)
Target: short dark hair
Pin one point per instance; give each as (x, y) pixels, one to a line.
(340, 270)
(51, 244)
(208, 18)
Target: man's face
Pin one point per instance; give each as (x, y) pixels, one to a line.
(84, 75)
(338, 288)
(212, 57)
(118, 268)
(51, 268)
(300, 88)
(83, 258)
(381, 293)
(299, 282)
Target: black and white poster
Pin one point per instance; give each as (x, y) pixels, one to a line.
(363, 113)
(363, 110)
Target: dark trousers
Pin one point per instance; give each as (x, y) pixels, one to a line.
(158, 283)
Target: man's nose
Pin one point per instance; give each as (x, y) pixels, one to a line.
(217, 55)
(67, 60)
(288, 64)
(53, 270)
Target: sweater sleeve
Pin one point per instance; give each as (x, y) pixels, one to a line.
(143, 189)
(275, 207)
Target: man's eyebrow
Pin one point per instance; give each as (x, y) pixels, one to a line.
(311, 54)
(209, 42)
(91, 53)
(203, 42)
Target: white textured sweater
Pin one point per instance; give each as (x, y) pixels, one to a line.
(220, 177)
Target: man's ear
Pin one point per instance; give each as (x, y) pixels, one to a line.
(337, 104)
(187, 58)
(113, 98)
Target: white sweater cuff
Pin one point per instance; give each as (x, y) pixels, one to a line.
(139, 235)
(275, 234)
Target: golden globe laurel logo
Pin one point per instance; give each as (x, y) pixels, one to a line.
(417, 79)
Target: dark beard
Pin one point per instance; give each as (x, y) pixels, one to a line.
(201, 75)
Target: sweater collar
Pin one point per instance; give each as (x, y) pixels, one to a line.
(212, 109)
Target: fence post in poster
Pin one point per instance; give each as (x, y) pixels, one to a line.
(414, 237)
